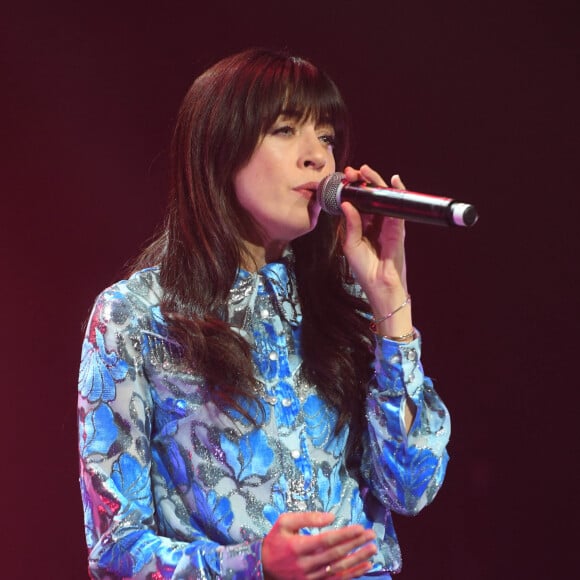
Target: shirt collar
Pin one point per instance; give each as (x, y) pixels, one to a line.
(279, 281)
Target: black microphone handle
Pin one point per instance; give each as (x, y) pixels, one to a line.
(408, 205)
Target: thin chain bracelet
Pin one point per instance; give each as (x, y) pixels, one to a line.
(375, 322)
(403, 337)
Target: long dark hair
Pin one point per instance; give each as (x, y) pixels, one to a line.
(222, 118)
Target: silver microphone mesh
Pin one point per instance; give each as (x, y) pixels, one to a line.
(328, 193)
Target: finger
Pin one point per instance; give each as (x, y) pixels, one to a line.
(397, 182)
(293, 522)
(349, 550)
(355, 572)
(352, 174)
(337, 543)
(352, 566)
(371, 176)
(353, 217)
(354, 225)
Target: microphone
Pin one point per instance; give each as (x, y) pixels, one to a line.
(408, 205)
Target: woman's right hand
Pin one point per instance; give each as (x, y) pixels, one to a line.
(339, 553)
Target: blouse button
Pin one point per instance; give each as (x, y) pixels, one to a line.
(295, 453)
(264, 313)
(286, 402)
(273, 355)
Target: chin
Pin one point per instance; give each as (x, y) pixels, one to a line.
(313, 213)
(311, 224)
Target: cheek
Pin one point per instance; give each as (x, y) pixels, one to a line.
(332, 163)
(331, 158)
(244, 186)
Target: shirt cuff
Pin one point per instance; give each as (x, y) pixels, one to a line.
(242, 561)
(398, 366)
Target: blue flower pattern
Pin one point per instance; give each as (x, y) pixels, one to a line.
(213, 510)
(100, 370)
(99, 432)
(275, 509)
(196, 501)
(132, 483)
(249, 455)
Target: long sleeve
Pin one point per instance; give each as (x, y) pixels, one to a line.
(116, 419)
(173, 486)
(404, 470)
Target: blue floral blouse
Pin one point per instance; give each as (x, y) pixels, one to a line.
(172, 487)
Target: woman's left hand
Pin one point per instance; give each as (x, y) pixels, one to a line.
(374, 247)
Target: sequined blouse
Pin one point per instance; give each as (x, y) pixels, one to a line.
(173, 487)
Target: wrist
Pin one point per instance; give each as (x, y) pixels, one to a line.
(396, 324)
(403, 338)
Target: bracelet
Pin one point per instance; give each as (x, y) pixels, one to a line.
(403, 337)
(375, 322)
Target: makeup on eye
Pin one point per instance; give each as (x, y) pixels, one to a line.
(329, 138)
(324, 132)
(288, 130)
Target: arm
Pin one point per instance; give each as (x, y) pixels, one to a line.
(375, 249)
(404, 467)
(115, 424)
(404, 460)
(116, 416)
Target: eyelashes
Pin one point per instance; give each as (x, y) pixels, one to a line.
(329, 139)
(286, 130)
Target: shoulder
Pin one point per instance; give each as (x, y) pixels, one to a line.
(136, 298)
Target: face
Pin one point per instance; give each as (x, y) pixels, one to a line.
(277, 187)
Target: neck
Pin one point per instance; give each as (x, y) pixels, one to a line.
(258, 255)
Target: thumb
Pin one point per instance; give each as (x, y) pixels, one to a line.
(354, 225)
(293, 522)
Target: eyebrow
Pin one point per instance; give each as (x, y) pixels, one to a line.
(303, 116)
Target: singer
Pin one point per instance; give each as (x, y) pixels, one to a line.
(252, 402)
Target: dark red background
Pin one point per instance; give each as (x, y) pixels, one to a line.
(470, 99)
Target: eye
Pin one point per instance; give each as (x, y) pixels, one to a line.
(284, 130)
(328, 139)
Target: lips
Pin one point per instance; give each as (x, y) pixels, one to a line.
(307, 188)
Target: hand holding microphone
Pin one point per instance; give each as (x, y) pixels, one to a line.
(375, 251)
(408, 205)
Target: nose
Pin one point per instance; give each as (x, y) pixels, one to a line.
(314, 154)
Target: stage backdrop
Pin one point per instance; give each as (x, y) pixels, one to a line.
(473, 100)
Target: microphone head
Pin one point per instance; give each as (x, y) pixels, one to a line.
(328, 193)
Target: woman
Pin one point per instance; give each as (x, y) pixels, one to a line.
(238, 416)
